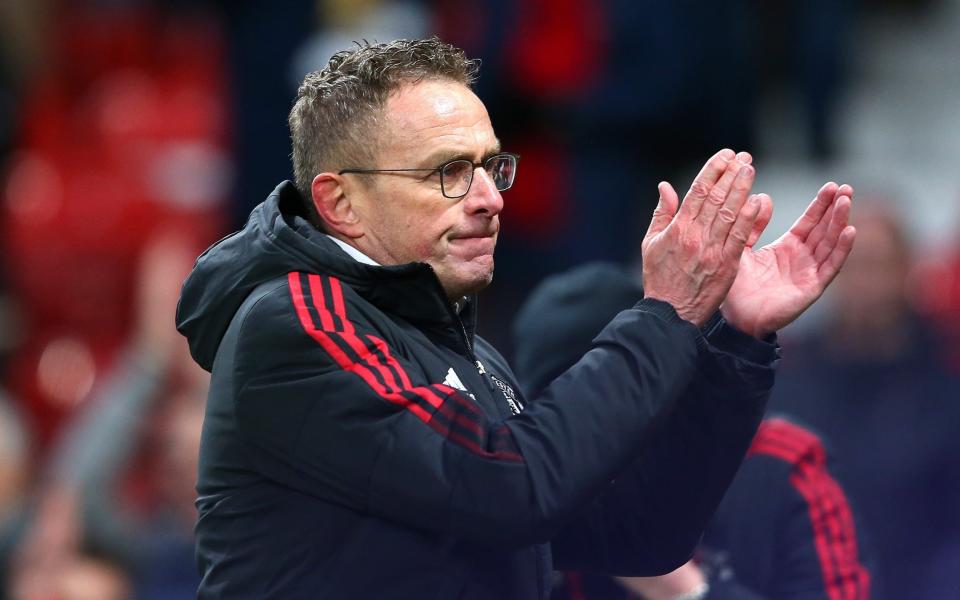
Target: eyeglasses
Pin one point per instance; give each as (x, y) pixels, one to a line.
(456, 176)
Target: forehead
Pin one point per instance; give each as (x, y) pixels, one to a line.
(432, 116)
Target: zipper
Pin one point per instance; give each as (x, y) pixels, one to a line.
(453, 315)
(503, 387)
(464, 337)
(513, 404)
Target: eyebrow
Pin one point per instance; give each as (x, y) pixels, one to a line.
(446, 155)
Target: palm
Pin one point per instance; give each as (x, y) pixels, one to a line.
(776, 283)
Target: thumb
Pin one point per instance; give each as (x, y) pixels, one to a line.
(666, 209)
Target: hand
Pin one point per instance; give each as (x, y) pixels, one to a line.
(776, 283)
(687, 578)
(166, 261)
(691, 255)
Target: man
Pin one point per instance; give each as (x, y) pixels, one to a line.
(874, 377)
(361, 442)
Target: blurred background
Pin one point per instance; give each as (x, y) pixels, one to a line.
(133, 134)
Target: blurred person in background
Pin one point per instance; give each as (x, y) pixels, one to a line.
(784, 529)
(121, 132)
(15, 473)
(23, 51)
(938, 296)
(873, 379)
(83, 575)
(262, 41)
(120, 481)
(343, 22)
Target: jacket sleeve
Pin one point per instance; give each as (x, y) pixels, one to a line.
(651, 518)
(328, 407)
(789, 514)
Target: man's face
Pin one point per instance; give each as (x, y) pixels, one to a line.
(871, 291)
(406, 217)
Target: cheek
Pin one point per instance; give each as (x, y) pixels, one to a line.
(430, 231)
(422, 238)
(430, 240)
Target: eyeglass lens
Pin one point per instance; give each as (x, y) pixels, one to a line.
(457, 175)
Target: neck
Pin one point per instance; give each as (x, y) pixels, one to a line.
(354, 252)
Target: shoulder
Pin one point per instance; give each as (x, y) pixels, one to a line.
(303, 301)
(796, 467)
(294, 313)
(788, 442)
(786, 464)
(818, 516)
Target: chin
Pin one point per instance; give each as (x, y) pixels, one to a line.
(466, 283)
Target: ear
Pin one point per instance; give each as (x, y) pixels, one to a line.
(333, 205)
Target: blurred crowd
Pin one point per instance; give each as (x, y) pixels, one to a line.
(133, 134)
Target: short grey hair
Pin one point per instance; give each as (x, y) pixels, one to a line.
(333, 119)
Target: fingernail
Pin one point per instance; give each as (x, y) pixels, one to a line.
(744, 157)
(727, 154)
(745, 171)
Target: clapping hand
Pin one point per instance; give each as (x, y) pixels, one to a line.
(699, 254)
(691, 252)
(778, 282)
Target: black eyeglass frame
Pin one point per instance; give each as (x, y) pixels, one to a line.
(440, 169)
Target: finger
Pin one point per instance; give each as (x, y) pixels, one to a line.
(666, 209)
(703, 182)
(726, 199)
(834, 262)
(838, 222)
(740, 232)
(814, 237)
(816, 211)
(745, 158)
(763, 219)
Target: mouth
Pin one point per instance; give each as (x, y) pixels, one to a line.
(474, 245)
(479, 234)
(473, 236)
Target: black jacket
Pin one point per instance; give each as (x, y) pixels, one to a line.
(892, 422)
(784, 529)
(361, 442)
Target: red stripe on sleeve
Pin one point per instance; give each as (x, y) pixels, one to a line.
(455, 416)
(468, 421)
(316, 290)
(348, 335)
(326, 318)
(370, 360)
(381, 346)
(830, 517)
(574, 585)
(337, 294)
(340, 357)
(468, 405)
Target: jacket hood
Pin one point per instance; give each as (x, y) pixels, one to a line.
(276, 240)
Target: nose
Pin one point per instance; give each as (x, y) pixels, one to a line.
(483, 198)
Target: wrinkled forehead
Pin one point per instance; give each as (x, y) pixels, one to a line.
(422, 119)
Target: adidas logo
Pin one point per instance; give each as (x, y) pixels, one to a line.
(453, 381)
